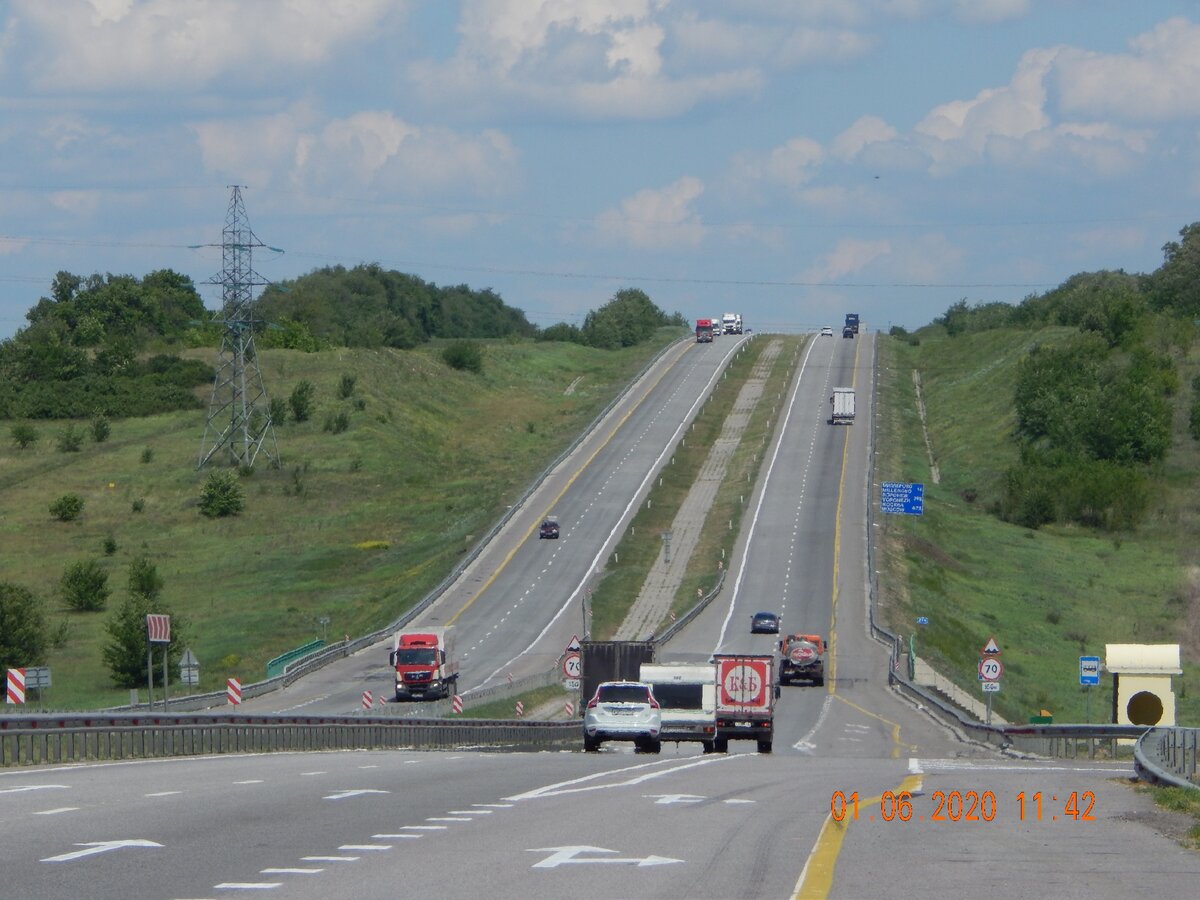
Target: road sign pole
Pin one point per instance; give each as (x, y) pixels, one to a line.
(989, 709)
(150, 675)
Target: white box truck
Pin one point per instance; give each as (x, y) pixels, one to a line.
(687, 695)
(842, 406)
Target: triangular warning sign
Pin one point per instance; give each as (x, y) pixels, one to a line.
(573, 647)
(990, 648)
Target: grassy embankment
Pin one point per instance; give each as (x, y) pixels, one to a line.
(355, 526)
(1048, 596)
(616, 592)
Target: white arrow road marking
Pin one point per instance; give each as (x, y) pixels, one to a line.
(93, 847)
(667, 799)
(567, 787)
(342, 795)
(32, 787)
(561, 856)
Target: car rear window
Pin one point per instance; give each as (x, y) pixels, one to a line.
(624, 693)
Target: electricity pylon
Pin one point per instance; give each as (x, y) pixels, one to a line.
(239, 414)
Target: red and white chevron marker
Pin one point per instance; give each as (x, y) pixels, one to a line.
(569, 709)
(15, 691)
(233, 691)
(520, 709)
(456, 703)
(366, 699)
(380, 701)
(510, 677)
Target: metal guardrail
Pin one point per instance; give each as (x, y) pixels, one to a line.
(1168, 756)
(33, 740)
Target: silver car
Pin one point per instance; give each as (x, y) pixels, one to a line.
(623, 711)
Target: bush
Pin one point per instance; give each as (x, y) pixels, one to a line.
(277, 408)
(301, 401)
(70, 439)
(336, 423)
(67, 508)
(147, 455)
(464, 356)
(84, 586)
(138, 505)
(110, 545)
(23, 631)
(101, 429)
(221, 495)
(24, 435)
(346, 387)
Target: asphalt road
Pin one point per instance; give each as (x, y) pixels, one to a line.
(518, 606)
(923, 814)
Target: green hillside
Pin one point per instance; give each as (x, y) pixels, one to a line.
(1048, 594)
(355, 526)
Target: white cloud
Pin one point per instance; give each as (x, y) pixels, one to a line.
(847, 257)
(656, 218)
(1158, 80)
(577, 58)
(865, 131)
(790, 165)
(370, 149)
(159, 45)
(702, 41)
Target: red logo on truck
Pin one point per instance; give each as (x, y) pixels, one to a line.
(744, 682)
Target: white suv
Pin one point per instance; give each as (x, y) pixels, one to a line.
(623, 711)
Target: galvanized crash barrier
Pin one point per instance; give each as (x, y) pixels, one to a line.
(35, 740)
(1167, 756)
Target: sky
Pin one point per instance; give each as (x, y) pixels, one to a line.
(789, 160)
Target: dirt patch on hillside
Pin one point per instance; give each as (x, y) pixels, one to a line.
(1189, 639)
(931, 551)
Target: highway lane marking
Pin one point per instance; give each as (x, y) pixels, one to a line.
(449, 819)
(494, 805)
(569, 787)
(831, 681)
(561, 856)
(470, 812)
(365, 847)
(294, 871)
(358, 792)
(816, 878)
(384, 837)
(554, 502)
(955, 765)
(426, 827)
(737, 582)
(329, 858)
(163, 794)
(250, 781)
(898, 744)
(54, 812)
(247, 885)
(805, 745)
(612, 536)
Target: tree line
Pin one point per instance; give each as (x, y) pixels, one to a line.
(109, 344)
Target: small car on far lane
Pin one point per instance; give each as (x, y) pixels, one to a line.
(764, 623)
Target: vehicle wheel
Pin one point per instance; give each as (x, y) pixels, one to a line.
(590, 744)
(721, 745)
(709, 747)
(764, 746)
(819, 682)
(654, 747)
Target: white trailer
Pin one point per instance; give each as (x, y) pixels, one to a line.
(687, 695)
(842, 405)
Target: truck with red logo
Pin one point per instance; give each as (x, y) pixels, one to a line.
(746, 694)
(803, 659)
(704, 331)
(425, 664)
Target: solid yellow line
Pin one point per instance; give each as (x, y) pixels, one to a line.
(816, 879)
(507, 559)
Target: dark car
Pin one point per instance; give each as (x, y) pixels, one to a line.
(764, 623)
(549, 528)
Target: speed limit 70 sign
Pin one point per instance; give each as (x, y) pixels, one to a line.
(990, 669)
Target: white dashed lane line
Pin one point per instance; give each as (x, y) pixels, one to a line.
(54, 812)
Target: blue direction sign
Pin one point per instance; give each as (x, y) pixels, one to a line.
(1089, 670)
(902, 497)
